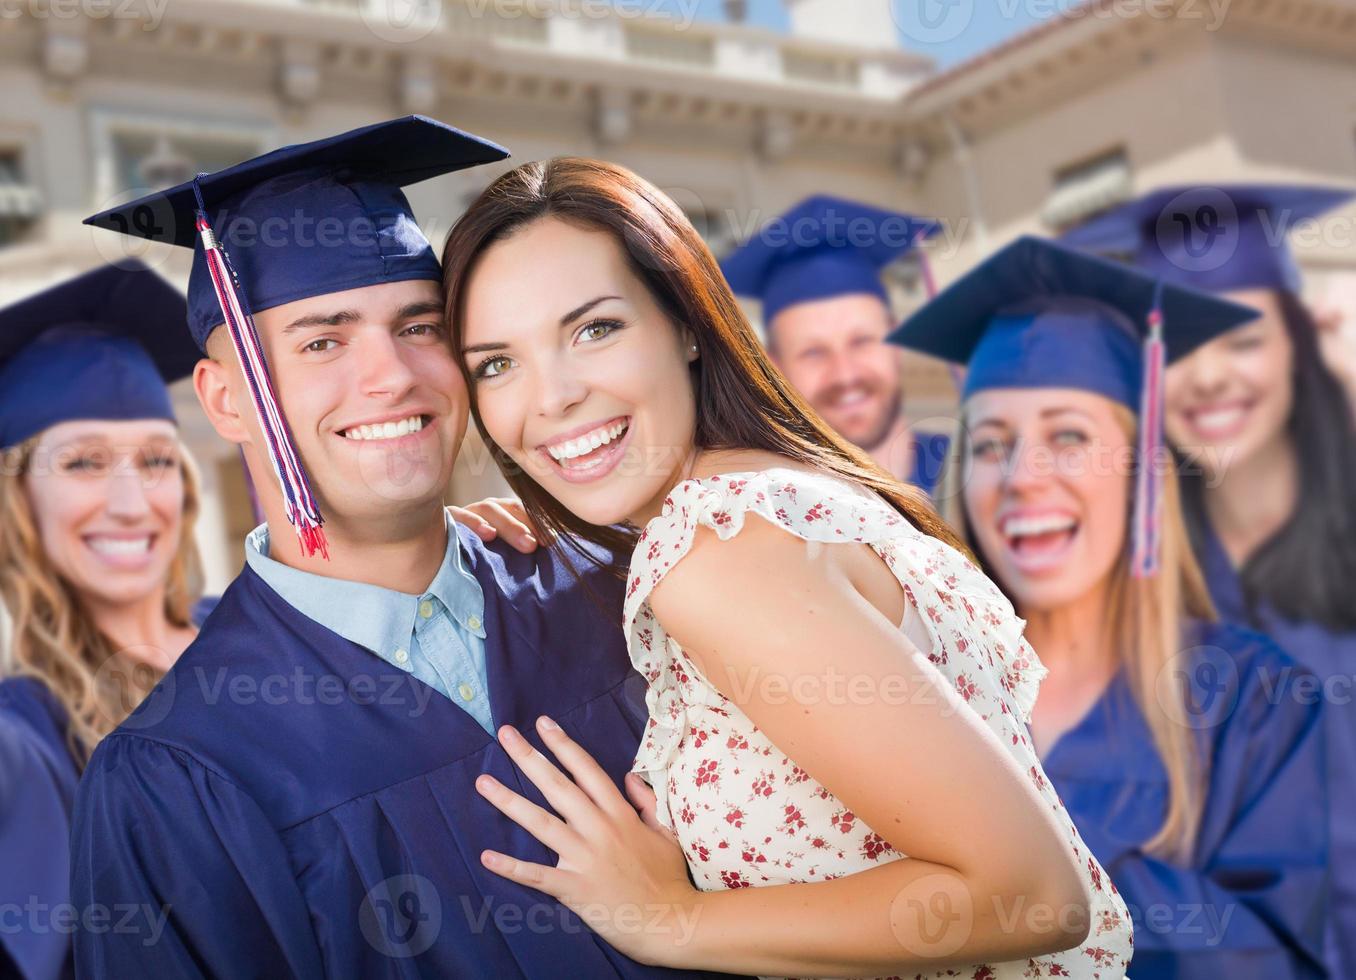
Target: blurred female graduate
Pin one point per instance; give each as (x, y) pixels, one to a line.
(1175, 742)
(1261, 419)
(98, 568)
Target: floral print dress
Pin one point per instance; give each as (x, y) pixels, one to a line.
(747, 815)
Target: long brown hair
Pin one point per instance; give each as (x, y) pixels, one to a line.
(742, 401)
(1147, 625)
(53, 638)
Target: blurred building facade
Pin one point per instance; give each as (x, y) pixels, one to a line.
(104, 99)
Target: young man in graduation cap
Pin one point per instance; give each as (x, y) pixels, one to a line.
(817, 271)
(297, 797)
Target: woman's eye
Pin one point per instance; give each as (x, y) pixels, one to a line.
(320, 345)
(1070, 437)
(88, 464)
(598, 329)
(161, 462)
(1245, 343)
(491, 367)
(988, 449)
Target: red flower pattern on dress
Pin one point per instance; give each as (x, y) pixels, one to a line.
(744, 812)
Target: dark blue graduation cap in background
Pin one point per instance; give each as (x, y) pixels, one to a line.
(100, 346)
(1217, 238)
(822, 248)
(302, 221)
(1037, 314)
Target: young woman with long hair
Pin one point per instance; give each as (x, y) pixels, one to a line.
(99, 573)
(817, 677)
(1262, 424)
(1178, 744)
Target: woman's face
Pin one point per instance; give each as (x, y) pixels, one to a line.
(1231, 398)
(108, 501)
(577, 373)
(1047, 490)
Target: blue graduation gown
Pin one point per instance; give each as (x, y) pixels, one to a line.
(1251, 905)
(929, 460)
(303, 808)
(37, 787)
(1332, 658)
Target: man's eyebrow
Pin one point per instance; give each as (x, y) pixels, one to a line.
(575, 314)
(423, 308)
(323, 320)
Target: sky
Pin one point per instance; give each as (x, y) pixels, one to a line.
(948, 31)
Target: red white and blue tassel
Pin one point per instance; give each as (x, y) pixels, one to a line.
(302, 512)
(1147, 533)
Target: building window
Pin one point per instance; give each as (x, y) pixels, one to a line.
(20, 203)
(823, 70)
(1087, 188)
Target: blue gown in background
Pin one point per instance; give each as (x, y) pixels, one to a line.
(38, 776)
(1332, 657)
(929, 460)
(1251, 905)
(294, 806)
(37, 787)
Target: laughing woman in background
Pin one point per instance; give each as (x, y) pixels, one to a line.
(1175, 742)
(1261, 418)
(98, 569)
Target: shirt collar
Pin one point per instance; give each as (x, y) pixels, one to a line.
(379, 619)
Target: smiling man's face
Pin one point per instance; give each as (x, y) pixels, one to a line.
(834, 353)
(372, 395)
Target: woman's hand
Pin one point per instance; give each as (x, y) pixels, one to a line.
(620, 871)
(500, 517)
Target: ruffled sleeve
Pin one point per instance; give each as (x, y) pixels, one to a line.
(976, 635)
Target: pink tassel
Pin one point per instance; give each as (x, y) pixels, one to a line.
(301, 508)
(1147, 531)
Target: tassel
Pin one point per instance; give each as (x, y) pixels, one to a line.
(302, 512)
(1147, 532)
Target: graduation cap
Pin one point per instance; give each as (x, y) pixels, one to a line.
(100, 346)
(822, 248)
(1218, 238)
(1038, 314)
(302, 221)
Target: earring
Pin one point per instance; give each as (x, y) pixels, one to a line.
(694, 348)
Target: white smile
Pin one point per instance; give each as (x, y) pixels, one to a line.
(1025, 527)
(384, 430)
(588, 442)
(120, 547)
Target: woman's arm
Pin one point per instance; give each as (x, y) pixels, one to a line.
(839, 689)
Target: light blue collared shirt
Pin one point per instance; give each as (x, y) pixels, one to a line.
(438, 636)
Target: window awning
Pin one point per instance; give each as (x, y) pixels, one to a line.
(1087, 192)
(19, 201)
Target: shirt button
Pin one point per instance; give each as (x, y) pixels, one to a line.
(426, 609)
(467, 694)
(473, 621)
(402, 657)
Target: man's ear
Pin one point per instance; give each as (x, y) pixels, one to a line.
(212, 384)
